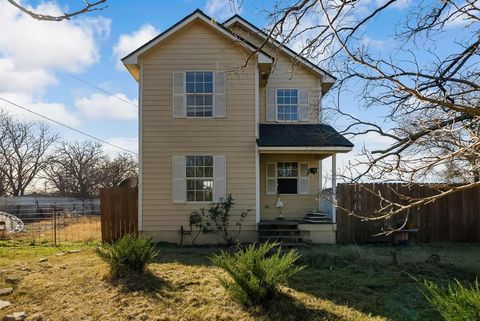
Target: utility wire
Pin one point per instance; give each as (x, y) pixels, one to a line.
(102, 90)
(67, 126)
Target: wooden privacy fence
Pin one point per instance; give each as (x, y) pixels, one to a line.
(119, 212)
(453, 218)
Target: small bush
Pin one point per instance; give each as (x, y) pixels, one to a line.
(256, 272)
(217, 219)
(127, 255)
(457, 302)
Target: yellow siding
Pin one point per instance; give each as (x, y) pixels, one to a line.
(195, 47)
(286, 73)
(295, 205)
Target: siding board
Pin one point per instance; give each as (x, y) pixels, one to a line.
(195, 47)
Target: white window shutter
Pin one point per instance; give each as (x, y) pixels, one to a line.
(219, 177)
(179, 189)
(271, 179)
(303, 106)
(179, 109)
(271, 102)
(303, 178)
(220, 105)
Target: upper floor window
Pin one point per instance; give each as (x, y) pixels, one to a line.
(287, 104)
(199, 91)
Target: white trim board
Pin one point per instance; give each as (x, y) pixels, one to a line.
(140, 152)
(304, 149)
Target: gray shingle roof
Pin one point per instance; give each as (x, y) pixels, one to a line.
(303, 135)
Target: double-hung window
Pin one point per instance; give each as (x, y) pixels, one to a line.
(287, 178)
(199, 176)
(287, 104)
(199, 92)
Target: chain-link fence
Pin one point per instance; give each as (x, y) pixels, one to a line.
(60, 220)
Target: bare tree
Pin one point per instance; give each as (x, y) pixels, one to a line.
(429, 99)
(76, 168)
(87, 7)
(23, 152)
(116, 170)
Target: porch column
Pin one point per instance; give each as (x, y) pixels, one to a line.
(320, 187)
(334, 188)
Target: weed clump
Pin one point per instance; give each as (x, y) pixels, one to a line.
(256, 272)
(128, 255)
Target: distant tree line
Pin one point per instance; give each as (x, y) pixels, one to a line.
(32, 156)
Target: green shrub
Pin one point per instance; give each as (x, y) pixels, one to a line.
(127, 255)
(256, 272)
(457, 302)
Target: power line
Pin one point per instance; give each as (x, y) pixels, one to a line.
(102, 90)
(67, 126)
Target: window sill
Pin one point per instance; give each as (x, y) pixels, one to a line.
(280, 195)
(193, 117)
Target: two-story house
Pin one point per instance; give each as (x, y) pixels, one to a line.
(220, 116)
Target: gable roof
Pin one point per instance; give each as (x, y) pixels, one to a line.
(327, 77)
(131, 60)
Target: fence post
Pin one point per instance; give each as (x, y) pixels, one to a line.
(55, 225)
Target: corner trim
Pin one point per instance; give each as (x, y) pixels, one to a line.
(140, 159)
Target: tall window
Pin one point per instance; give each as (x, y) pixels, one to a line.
(287, 177)
(199, 174)
(199, 89)
(287, 104)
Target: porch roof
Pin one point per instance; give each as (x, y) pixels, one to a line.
(301, 135)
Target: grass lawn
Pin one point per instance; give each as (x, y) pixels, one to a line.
(341, 283)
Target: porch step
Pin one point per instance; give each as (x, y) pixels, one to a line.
(278, 237)
(315, 217)
(281, 231)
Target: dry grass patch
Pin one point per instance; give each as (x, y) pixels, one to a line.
(342, 283)
(181, 286)
(69, 229)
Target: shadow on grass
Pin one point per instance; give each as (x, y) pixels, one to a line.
(391, 293)
(147, 283)
(187, 255)
(283, 307)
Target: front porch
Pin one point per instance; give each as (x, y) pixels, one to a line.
(294, 205)
(306, 213)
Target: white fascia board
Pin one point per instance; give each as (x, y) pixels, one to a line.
(326, 149)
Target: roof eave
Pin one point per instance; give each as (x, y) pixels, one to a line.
(318, 149)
